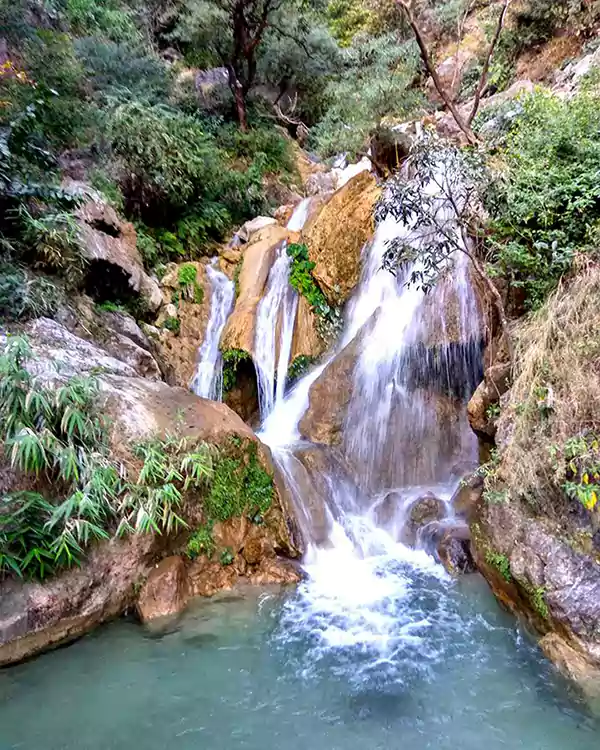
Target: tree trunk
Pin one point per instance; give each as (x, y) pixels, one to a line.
(239, 98)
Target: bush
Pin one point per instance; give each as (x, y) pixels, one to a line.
(25, 296)
(108, 18)
(549, 204)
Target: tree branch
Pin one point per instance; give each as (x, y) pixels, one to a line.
(430, 66)
(488, 59)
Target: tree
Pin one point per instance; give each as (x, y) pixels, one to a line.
(441, 203)
(232, 33)
(463, 121)
(375, 81)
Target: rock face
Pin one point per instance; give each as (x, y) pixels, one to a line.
(165, 591)
(423, 511)
(335, 237)
(35, 616)
(115, 268)
(306, 341)
(541, 575)
(329, 397)
(178, 350)
(495, 384)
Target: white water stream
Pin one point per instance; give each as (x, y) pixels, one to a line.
(275, 323)
(208, 378)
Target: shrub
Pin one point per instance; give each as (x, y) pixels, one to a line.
(201, 542)
(547, 207)
(108, 18)
(170, 469)
(187, 276)
(23, 295)
(232, 358)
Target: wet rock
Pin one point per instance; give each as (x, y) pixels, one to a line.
(275, 571)
(115, 268)
(495, 384)
(421, 512)
(165, 592)
(467, 495)
(391, 146)
(321, 183)
(453, 548)
(178, 350)
(306, 341)
(536, 571)
(573, 664)
(37, 616)
(329, 397)
(387, 510)
(207, 578)
(335, 237)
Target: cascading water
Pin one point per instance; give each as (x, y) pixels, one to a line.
(275, 323)
(365, 589)
(208, 378)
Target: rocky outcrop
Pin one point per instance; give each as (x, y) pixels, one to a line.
(329, 397)
(258, 258)
(36, 616)
(480, 409)
(165, 591)
(114, 265)
(190, 305)
(542, 576)
(336, 235)
(306, 341)
(423, 511)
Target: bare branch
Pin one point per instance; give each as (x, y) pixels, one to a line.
(488, 59)
(431, 69)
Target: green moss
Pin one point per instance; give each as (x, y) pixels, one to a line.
(187, 276)
(226, 557)
(231, 361)
(299, 367)
(240, 485)
(172, 324)
(201, 542)
(236, 278)
(501, 563)
(536, 597)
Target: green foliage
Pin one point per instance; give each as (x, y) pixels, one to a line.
(172, 324)
(187, 278)
(170, 469)
(240, 485)
(299, 367)
(226, 557)
(302, 280)
(347, 18)
(501, 563)
(57, 437)
(536, 596)
(375, 81)
(448, 13)
(53, 238)
(578, 462)
(232, 358)
(25, 296)
(260, 142)
(108, 18)
(201, 542)
(548, 206)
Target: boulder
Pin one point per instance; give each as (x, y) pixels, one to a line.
(165, 592)
(336, 235)
(467, 495)
(386, 512)
(329, 397)
(453, 549)
(34, 617)
(495, 384)
(116, 332)
(239, 332)
(424, 510)
(115, 269)
(250, 228)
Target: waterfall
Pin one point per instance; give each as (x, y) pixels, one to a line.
(275, 323)
(208, 378)
(396, 446)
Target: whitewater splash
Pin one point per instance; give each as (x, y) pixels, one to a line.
(365, 590)
(208, 378)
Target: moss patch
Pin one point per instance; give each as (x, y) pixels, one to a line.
(240, 484)
(232, 358)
